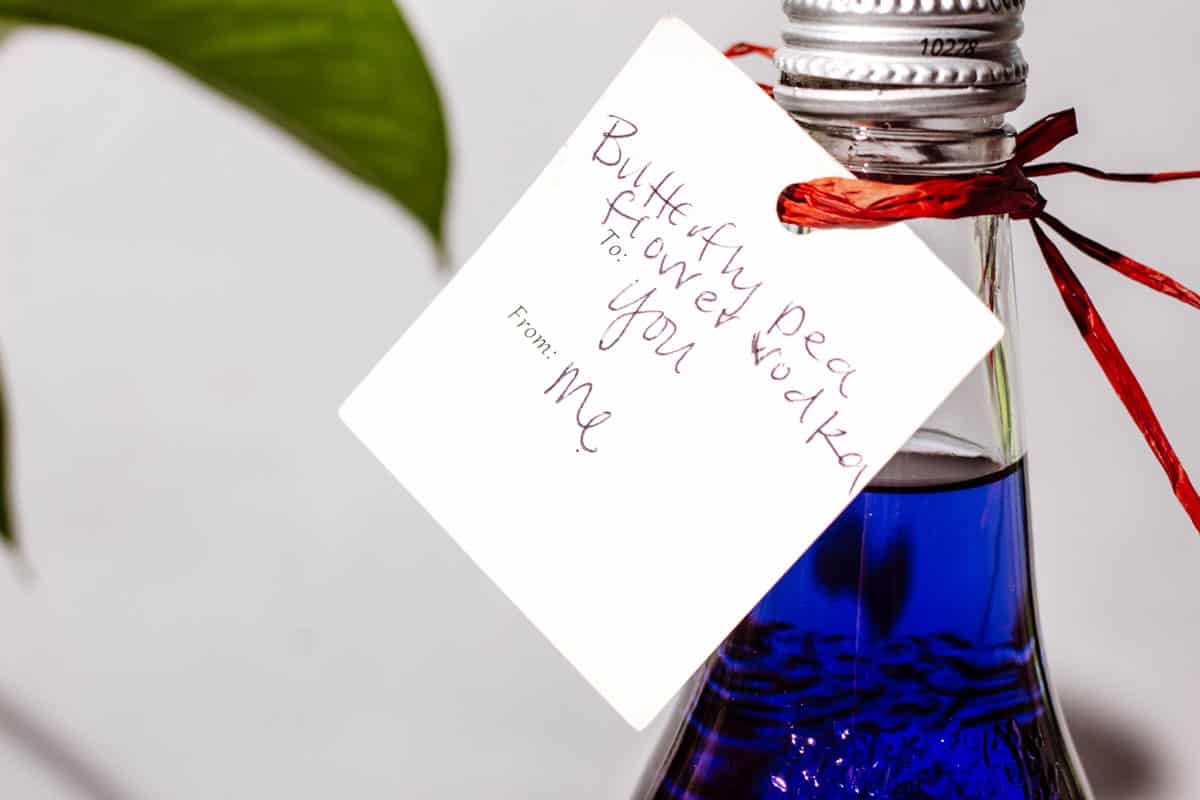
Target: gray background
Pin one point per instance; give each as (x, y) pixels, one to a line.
(232, 599)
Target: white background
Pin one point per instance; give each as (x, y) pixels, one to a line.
(233, 599)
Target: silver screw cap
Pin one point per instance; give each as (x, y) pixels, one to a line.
(901, 59)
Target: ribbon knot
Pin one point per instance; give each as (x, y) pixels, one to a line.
(853, 203)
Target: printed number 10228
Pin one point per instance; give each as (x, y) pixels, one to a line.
(948, 47)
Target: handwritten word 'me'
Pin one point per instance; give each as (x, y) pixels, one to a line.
(568, 384)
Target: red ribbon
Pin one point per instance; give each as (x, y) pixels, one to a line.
(852, 203)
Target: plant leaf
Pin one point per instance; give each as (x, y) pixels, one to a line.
(8, 532)
(344, 76)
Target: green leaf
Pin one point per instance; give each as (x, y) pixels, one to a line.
(8, 532)
(344, 76)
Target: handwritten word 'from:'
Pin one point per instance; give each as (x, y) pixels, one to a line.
(521, 322)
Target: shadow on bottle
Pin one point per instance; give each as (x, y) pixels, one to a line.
(71, 768)
(1117, 758)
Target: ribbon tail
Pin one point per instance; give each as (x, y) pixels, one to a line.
(1044, 135)
(1117, 370)
(746, 49)
(1134, 270)
(1063, 167)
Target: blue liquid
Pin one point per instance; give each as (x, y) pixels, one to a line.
(899, 659)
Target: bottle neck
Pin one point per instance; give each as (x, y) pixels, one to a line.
(932, 561)
(980, 422)
(913, 149)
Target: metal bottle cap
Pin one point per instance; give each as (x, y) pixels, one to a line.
(901, 59)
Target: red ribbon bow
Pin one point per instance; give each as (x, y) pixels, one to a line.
(852, 203)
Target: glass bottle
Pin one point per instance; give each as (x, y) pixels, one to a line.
(900, 658)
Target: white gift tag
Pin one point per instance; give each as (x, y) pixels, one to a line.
(642, 400)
